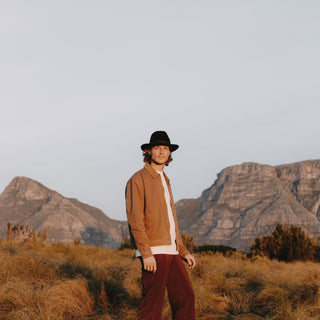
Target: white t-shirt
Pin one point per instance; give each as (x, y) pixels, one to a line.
(172, 248)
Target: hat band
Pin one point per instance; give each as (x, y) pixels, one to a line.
(160, 143)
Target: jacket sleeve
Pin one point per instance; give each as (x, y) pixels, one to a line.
(183, 252)
(135, 215)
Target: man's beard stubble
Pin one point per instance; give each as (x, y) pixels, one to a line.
(157, 163)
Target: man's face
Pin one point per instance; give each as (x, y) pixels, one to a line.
(160, 154)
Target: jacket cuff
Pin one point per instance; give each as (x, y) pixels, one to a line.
(146, 254)
(184, 253)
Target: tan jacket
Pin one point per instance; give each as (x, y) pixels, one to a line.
(147, 212)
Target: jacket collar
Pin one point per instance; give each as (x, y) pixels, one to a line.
(153, 172)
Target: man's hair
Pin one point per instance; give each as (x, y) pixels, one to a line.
(147, 157)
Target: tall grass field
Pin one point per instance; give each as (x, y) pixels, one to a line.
(39, 281)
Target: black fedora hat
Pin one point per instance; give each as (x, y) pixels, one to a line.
(159, 138)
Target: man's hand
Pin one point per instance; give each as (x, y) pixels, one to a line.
(150, 264)
(191, 261)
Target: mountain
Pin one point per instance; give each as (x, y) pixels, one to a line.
(245, 201)
(248, 200)
(28, 202)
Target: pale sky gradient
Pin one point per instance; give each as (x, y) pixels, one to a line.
(84, 83)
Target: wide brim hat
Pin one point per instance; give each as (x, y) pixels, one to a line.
(159, 138)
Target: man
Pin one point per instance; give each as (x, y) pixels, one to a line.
(154, 233)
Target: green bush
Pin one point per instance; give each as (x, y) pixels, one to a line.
(286, 244)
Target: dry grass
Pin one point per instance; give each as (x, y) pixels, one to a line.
(51, 282)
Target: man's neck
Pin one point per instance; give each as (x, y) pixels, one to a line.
(157, 167)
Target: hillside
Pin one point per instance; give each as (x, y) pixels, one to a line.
(245, 201)
(248, 200)
(69, 282)
(28, 202)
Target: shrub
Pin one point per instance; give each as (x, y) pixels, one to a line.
(205, 248)
(188, 241)
(126, 243)
(285, 244)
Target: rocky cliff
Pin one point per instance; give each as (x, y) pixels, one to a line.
(28, 202)
(248, 200)
(245, 201)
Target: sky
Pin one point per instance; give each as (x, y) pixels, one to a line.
(84, 83)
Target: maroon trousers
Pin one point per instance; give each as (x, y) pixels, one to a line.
(172, 274)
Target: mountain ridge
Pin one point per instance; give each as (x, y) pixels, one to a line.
(28, 202)
(245, 201)
(249, 199)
